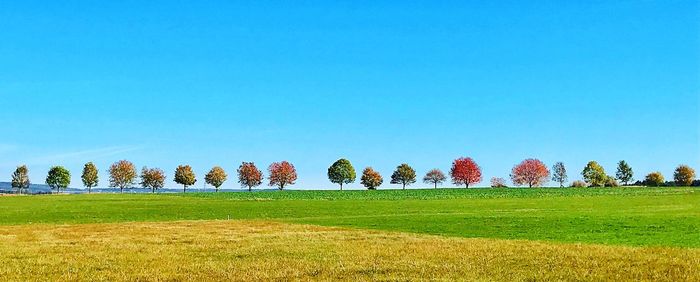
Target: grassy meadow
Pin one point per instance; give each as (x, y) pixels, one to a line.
(475, 234)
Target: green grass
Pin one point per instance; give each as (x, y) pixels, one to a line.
(667, 217)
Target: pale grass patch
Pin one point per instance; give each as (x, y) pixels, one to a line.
(259, 250)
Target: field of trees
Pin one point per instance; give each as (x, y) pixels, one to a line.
(506, 234)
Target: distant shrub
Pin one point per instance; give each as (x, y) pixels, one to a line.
(611, 182)
(696, 183)
(497, 182)
(579, 183)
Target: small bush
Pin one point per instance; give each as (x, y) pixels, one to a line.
(497, 182)
(611, 182)
(579, 184)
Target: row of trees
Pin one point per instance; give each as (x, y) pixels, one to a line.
(464, 171)
(123, 174)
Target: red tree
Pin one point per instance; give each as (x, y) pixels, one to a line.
(465, 172)
(282, 174)
(249, 175)
(531, 172)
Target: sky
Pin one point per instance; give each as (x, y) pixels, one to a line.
(205, 83)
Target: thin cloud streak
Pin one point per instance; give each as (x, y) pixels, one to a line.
(90, 154)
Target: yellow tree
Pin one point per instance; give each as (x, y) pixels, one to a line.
(122, 174)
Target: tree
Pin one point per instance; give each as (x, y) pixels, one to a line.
(624, 172)
(90, 176)
(282, 174)
(497, 182)
(122, 174)
(594, 174)
(58, 178)
(654, 179)
(404, 175)
(559, 174)
(465, 172)
(530, 172)
(216, 177)
(371, 179)
(249, 175)
(185, 177)
(341, 172)
(435, 177)
(20, 178)
(152, 178)
(684, 175)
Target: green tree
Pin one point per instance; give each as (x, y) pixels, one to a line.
(152, 178)
(58, 178)
(216, 177)
(341, 172)
(20, 179)
(185, 177)
(404, 175)
(654, 179)
(624, 172)
(122, 174)
(684, 175)
(90, 176)
(594, 174)
(559, 174)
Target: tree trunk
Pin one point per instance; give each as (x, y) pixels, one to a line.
(184, 188)
(467, 184)
(121, 190)
(435, 185)
(404, 186)
(341, 186)
(250, 188)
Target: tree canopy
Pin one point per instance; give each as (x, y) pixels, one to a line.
(341, 172)
(58, 178)
(404, 175)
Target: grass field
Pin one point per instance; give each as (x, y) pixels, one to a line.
(500, 234)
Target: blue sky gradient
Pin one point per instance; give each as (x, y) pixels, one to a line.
(381, 83)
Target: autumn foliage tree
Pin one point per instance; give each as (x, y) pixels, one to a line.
(435, 177)
(404, 175)
(341, 172)
(371, 179)
(282, 174)
(152, 178)
(249, 175)
(559, 174)
(58, 178)
(90, 176)
(684, 175)
(654, 179)
(184, 175)
(20, 178)
(465, 172)
(122, 174)
(216, 177)
(530, 172)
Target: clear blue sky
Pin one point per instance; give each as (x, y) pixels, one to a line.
(379, 82)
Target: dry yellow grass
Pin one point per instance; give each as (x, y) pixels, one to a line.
(257, 250)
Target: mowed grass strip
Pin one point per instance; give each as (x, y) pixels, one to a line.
(263, 250)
